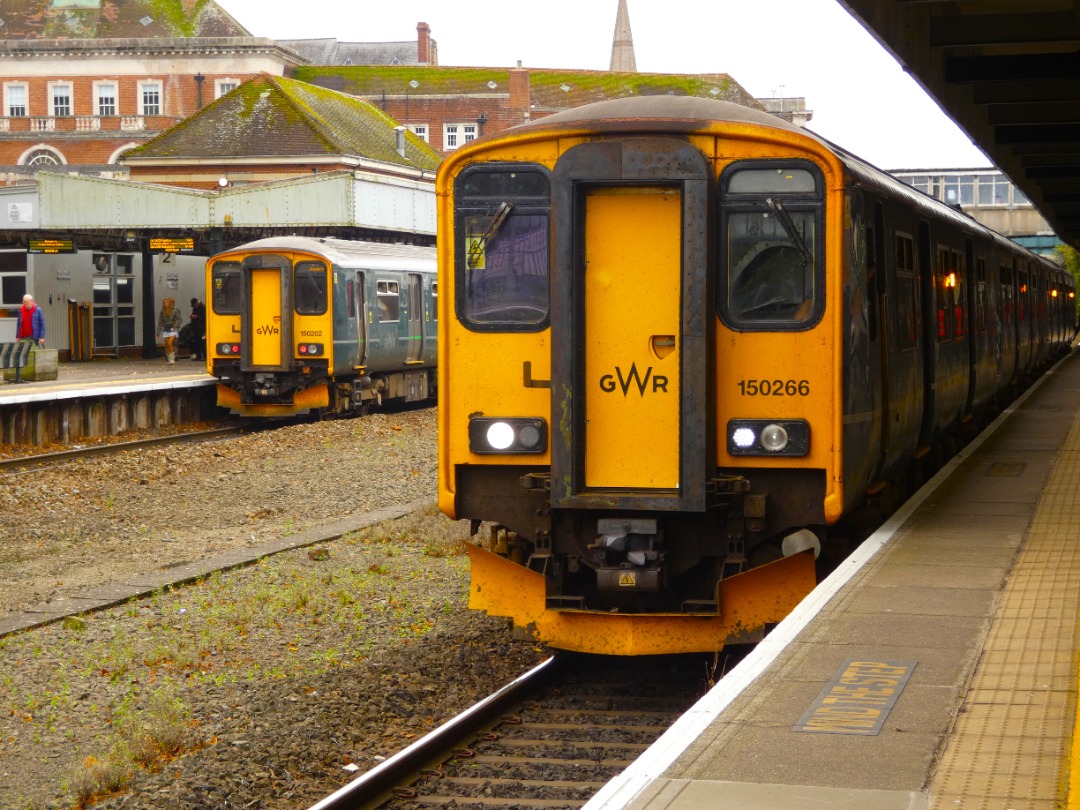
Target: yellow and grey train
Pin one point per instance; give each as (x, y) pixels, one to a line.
(685, 345)
(297, 325)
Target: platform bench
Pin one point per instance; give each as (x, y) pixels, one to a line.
(16, 355)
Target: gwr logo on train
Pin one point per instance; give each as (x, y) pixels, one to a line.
(610, 383)
(269, 329)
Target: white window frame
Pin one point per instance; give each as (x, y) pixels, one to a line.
(420, 131)
(223, 86)
(99, 88)
(150, 87)
(9, 87)
(458, 134)
(53, 89)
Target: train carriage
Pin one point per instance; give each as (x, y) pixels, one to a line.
(296, 324)
(685, 346)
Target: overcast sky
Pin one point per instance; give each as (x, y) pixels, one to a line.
(860, 97)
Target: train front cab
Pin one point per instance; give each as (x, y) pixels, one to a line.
(626, 434)
(270, 336)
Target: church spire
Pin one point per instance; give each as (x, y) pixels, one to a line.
(622, 47)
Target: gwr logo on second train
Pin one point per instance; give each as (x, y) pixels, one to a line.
(267, 330)
(627, 381)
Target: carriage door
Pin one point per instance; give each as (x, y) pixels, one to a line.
(359, 317)
(630, 329)
(416, 317)
(266, 330)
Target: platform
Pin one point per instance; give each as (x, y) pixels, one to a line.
(105, 397)
(937, 668)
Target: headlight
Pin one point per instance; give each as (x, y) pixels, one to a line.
(228, 348)
(310, 349)
(512, 436)
(768, 437)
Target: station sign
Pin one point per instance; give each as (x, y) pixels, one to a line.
(51, 246)
(172, 244)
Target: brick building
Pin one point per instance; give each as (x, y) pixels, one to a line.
(83, 81)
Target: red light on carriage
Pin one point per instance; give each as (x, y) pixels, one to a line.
(228, 348)
(310, 349)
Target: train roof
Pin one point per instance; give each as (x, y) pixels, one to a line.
(691, 114)
(348, 252)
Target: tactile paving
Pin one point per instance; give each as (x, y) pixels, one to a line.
(1010, 746)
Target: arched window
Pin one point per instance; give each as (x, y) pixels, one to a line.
(42, 156)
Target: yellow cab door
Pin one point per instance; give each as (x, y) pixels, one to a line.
(267, 328)
(630, 326)
(631, 336)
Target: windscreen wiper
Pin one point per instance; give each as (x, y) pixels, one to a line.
(789, 225)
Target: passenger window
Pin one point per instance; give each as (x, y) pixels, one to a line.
(388, 301)
(310, 290)
(225, 294)
(906, 314)
(772, 220)
(503, 247)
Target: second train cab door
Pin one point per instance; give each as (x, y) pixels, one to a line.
(266, 328)
(631, 326)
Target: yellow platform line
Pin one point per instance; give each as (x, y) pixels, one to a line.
(1016, 740)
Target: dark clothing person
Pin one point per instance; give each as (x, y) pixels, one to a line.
(31, 321)
(198, 329)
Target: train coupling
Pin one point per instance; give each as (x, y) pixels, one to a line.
(636, 541)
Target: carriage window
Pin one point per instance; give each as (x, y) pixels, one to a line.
(772, 220)
(225, 293)
(906, 315)
(434, 300)
(503, 247)
(389, 301)
(310, 288)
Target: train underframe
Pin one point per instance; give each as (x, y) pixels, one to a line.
(595, 579)
(308, 387)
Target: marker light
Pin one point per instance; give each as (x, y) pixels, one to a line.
(309, 349)
(508, 436)
(774, 438)
(228, 348)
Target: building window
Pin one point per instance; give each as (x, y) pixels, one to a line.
(59, 100)
(455, 135)
(420, 131)
(42, 156)
(959, 189)
(223, 86)
(149, 98)
(12, 278)
(105, 98)
(15, 101)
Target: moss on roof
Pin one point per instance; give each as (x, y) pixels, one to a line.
(546, 86)
(270, 116)
(116, 19)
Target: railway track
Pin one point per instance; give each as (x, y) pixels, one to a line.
(550, 739)
(15, 465)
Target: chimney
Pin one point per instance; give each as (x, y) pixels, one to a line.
(423, 43)
(520, 89)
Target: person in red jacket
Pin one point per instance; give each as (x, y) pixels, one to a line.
(31, 321)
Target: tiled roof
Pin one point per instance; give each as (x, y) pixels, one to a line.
(271, 116)
(550, 89)
(332, 52)
(115, 19)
